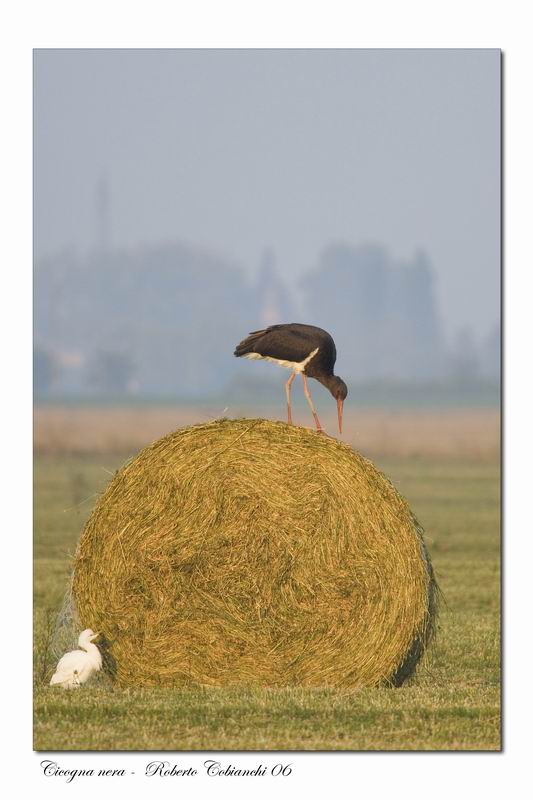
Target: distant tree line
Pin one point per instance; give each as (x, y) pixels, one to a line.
(163, 320)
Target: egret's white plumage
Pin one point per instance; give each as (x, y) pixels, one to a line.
(76, 667)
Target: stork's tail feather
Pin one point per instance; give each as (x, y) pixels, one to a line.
(247, 345)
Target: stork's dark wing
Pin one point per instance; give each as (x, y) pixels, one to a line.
(292, 342)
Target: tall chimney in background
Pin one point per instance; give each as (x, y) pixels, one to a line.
(103, 223)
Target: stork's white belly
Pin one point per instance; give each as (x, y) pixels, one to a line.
(296, 366)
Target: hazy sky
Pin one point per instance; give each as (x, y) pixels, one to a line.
(238, 149)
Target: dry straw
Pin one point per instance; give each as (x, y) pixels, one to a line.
(250, 552)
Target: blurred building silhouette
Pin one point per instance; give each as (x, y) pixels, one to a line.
(171, 313)
(272, 296)
(490, 354)
(469, 359)
(103, 216)
(463, 358)
(382, 314)
(163, 320)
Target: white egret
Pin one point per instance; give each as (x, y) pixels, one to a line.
(76, 667)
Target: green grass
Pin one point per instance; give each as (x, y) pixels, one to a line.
(453, 703)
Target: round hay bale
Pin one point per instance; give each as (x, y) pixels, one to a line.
(253, 552)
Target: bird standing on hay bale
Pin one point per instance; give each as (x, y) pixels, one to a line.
(75, 668)
(305, 349)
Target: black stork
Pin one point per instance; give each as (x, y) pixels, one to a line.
(305, 349)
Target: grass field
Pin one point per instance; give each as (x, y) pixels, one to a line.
(453, 703)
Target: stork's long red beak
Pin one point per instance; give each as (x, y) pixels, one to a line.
(340, 404)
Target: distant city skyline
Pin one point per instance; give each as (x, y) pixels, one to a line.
(238, 151)
(120, 322)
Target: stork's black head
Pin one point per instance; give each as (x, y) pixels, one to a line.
(339, 390)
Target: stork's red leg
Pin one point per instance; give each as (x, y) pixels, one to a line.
(288, 393)
(308, 395)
